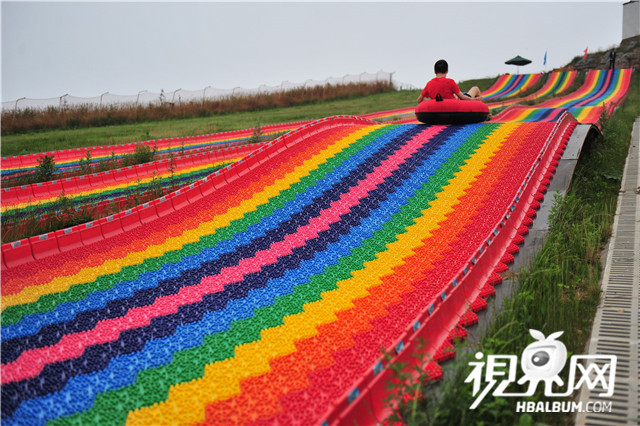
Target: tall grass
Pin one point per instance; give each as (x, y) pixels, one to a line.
(560, 290)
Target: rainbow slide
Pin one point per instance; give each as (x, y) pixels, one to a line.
(70, 158)
(264, 292)
(510, 85)
(34, 199)
(267, 295)
(601, 91)
(556, 83)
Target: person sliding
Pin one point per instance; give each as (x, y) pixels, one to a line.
(447, 104)
(446, 87)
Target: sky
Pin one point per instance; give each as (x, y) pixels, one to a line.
(88, 48)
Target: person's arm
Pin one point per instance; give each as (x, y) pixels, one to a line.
(423, 95)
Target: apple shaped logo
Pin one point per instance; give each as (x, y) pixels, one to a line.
(543, 360)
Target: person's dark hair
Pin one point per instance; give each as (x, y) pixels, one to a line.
(441, 67)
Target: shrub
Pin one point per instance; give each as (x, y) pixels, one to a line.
(143, 154)
(46, 168)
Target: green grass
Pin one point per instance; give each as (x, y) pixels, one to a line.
(559, 291)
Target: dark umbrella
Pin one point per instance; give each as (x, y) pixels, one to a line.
(518, 60)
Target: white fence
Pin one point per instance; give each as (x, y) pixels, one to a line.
(177, 96)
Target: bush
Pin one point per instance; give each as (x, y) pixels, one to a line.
(143, 154)
(46, 168)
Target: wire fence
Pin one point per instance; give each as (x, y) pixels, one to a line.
(145, 98)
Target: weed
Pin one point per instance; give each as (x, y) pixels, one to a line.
(143, 154)
(62, 214)
(172, 169)
(604, 117)
(85, 163)
(407, 398)
(256, 135)
(46, 168)
(156, 190)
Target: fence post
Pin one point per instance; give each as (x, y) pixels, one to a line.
(15, 108)
(60, 105)
(174, 95)
(138, 97)
(204, 92)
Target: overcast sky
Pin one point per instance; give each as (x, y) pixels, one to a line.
(85, 49)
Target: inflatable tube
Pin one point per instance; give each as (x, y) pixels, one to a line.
(451, 111)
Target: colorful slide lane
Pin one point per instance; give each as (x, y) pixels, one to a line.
(267, 297)
(32, 199)
(556, 83)
(510, 85)
(601, 92)
(600, 86)
(70, 158)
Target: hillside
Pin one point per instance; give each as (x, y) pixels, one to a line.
(627, 56)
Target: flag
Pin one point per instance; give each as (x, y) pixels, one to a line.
(585, 52)
(545, 59)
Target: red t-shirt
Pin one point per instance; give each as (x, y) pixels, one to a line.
(446, 87)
